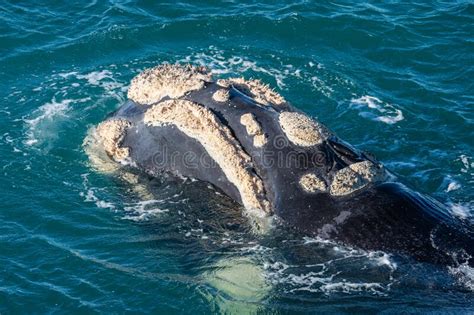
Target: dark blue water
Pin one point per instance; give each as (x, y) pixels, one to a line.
(395, 79)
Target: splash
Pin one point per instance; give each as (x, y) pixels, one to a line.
(378, 110)
(39, 127)
(104, 79)
(464, 275)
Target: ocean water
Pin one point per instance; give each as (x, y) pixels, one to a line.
(395, 79)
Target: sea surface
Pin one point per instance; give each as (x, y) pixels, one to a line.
(395, 79)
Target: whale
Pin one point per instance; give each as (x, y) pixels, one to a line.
(278, 163)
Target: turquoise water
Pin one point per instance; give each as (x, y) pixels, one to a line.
(393, 79)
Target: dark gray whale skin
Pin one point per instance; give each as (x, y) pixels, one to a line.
(386, 216)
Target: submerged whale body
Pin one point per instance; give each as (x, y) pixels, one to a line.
(247, 140)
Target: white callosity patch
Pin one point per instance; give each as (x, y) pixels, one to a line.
(312, 183)
(111, 133)
(302, 130)
(345, 182)
(355, 177)
(368, 170)
(253, 129)
(98, 158)
(259, 140)
(225, 83)
(174, 81)
(221, 96)
(201, 124)
(260, 92)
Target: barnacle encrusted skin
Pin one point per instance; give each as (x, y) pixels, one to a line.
(251, 124)
(253, 128)
(221, 95)
(369, 171)
(302, 130)
(312, 183)
(355, 177)
(225, 83)
(173, 81)
(200, 123)
(259, 140)
(111, 134)
(260, 92)
(345, 182)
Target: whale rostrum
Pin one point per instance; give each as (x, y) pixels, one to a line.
(251, 143)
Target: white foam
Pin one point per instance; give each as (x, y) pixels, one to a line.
(453, 186)
(101, 78)
(316, 239)
(30, 142)
(467, 166)
(66, 75)
(219, 64)
(321, 279)
(379, 111)
(5, 112)
(382, 259)
(317, 65)
(95, 77)
(461, 211)
(68, 91)
(45, 117)
(464, 274)
(49, 110)
(466, 161)
(144, 210)
(90, 195)
(349, 287)
(312, 73)
(331, 276)
(321, 86)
